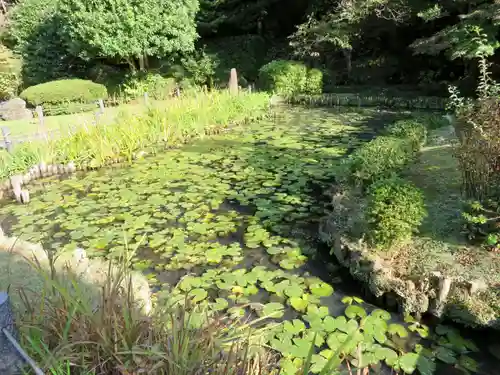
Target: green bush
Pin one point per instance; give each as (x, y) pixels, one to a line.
(394, 212)
(314, 82)
(68, 108)
(10, 74)
(412, 129)
(155, 85)
(284, 77)
(35, 32)
(64, 91)
(378, 159)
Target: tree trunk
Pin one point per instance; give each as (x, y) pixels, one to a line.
(142, 65)
(132, 65)
(348, 61)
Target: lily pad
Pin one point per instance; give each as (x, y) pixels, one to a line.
(273, 310)
(321, 289)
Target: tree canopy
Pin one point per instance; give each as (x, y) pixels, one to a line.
(128, 29)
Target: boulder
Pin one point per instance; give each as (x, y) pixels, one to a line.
(15, 109)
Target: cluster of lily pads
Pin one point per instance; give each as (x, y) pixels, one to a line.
(230, 221)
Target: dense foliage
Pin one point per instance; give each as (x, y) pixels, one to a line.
(65, 96)
(155, 85)
(290, 78)
(10, 73)
(395, 211)
(412, 129)
(378, 159)
(128, 30)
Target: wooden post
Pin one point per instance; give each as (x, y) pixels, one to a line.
(146, 98)
(41, 121)
(233, 82)
(101, 106)
(6, 138)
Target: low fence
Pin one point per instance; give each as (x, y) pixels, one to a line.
(353, 100)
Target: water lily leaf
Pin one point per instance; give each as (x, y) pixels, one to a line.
(300, 348)
(318, 363)
(273, 310)
(353, 311)
(321, 289)
(443, 330)
(198, 294)
(425, 365)
(189, 282)
(318, 337)
(329, 324)
(382, 314)
(320, 312)
(220, 304)
(250, 290)
(386, 354)
(294, 327)
(408, 362)
(468, 363)
(298, 303)
(347, 300)
(294, 291)
(290, 366)
(446, 355)
(397, 329)
(347, 327)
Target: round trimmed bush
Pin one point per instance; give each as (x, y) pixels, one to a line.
(411, 129)
(394, 212)
(64, 91)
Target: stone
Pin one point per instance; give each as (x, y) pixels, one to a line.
(233, 82)
(25, 196)
(477, 286)
(15, 109)
(71, 167)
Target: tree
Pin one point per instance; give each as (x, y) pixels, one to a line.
(472, 34)
(128, 30)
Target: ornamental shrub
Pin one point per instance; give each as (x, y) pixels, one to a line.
(64, 91)
(155, 85)
(314, 82)
(394, 212)
(284, 77)
(378, 159)
(412, 129)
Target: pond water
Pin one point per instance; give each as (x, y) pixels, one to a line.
(232, 219)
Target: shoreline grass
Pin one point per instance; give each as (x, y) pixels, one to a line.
(164, 124)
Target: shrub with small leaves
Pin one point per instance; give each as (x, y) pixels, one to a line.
(157, 86)
(394, 212)
(290, 78)
(314, 82)
(413, 129)
(378, 159)
(64, 91)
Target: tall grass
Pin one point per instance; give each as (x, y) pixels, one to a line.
(171, 124)
(69, 332)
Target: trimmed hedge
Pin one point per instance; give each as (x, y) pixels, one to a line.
(378, 159)
(290, 78)
(412, 129)
(394, 212)
(64, 91)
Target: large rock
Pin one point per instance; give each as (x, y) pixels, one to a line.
(15, 109)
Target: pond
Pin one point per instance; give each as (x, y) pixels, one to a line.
(232, 219)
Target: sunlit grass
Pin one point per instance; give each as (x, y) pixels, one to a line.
(161, 124)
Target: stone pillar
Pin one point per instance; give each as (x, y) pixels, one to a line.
(233, 82)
